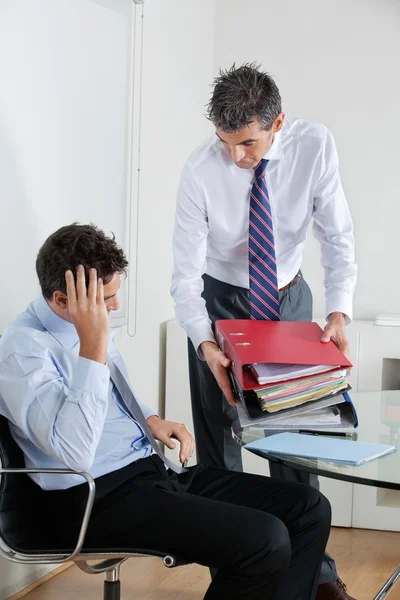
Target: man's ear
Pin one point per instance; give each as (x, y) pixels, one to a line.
(277, 126)
(60, 300)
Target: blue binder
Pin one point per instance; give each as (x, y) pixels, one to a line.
(320, 447)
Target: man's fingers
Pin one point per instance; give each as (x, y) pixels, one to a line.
(225, 386)
(185, 440)
(338, 338)
(187, 448)
(71, 291)
(224, 361)
(176, 431)
(92, 289)
(100, 291)
(81, 283)
(190, 446)
(344, 347)
(218, 366)
(165, 439)
(327, 335)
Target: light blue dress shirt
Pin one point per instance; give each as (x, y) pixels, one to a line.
(64, 410)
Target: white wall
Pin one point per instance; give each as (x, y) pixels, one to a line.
(177, 70)
(63, 66)
(337, 62)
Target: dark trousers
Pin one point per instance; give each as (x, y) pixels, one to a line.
(266, 537)
(213, 417)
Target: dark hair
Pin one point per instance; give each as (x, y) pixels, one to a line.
(75, 245)
(242, 95)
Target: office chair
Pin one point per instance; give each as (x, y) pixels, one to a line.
(23, 540)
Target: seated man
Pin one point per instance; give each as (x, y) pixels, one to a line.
(63, 389)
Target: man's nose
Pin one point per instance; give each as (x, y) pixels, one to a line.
(237, 153)
(113, 305)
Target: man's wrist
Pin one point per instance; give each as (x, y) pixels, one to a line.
(96, 352)
(208, 348)
(151, 418)
(338, 317)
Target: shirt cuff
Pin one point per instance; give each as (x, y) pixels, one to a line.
(340, 302)
(147, 411)
(200, 334)
(91, 376)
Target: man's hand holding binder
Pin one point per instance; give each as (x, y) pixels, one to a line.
(218, 364)
(300, 374)
(335, 330)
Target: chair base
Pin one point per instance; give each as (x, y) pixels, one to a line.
(389, 585)
(112, 590)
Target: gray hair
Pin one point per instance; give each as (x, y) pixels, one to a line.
(241, 95)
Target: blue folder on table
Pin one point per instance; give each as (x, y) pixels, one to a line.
(320, 447)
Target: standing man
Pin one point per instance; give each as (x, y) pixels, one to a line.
(245, 200)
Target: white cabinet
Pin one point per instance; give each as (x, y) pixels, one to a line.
(378, 368)
(378, 352)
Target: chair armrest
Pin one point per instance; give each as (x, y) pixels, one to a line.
(54, 558)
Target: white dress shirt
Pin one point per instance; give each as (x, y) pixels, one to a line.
(212, 220)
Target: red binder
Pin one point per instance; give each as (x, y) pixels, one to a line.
(247, 341)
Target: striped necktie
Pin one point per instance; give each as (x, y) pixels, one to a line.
(263, 282)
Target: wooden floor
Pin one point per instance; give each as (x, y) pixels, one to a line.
(365, 560)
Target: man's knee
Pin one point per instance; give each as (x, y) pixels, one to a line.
(268, 546)
(278, 546)
(317, 506)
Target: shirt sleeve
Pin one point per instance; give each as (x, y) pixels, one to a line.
(190, 251)
(333, 228)
(64, 422)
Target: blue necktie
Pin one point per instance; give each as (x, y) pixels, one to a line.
(263, 282)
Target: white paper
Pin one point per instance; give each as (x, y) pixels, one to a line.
(275, 372)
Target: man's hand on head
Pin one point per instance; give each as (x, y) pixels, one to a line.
(88, 313)
(335, 331)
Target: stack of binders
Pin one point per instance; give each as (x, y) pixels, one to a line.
(284, 377)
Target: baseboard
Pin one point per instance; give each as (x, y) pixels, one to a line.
(40, 581)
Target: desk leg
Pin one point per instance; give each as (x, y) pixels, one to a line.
(391, 582)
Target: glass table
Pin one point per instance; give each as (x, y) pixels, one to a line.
(379, 418)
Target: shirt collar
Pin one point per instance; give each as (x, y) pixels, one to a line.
(59, 328)
(276, 151)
